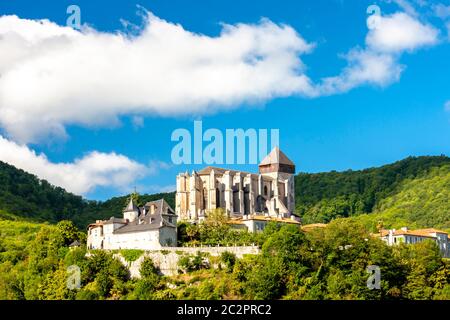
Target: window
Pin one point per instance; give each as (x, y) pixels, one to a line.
(259, 226)
(265, 190)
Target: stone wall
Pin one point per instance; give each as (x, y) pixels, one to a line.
(167, 259)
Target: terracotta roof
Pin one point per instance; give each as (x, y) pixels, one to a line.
(233, 221)
(418, 232)
(97, 224)
(264, 218)
(276, 156)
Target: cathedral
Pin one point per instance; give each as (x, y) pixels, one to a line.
(250, 200)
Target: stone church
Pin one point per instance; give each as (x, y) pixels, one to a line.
(250, 200)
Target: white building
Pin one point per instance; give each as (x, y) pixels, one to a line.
(404, 235)
(147, 228)
(249, 199)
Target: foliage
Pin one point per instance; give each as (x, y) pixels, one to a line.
(148, 268)
(416, 188)
(189, 263)
(229, 259)
(215, 230)
(320, 197)
(325, 263)
(131, 255)
(420, 202)
(28, 197)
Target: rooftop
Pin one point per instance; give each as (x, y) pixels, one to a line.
(428, 232)
(276, 156)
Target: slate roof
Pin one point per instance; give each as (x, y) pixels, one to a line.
(131, 206)
(76, 243)
(115, 220)
(150, 221)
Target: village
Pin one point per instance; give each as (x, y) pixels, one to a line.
(248, 200)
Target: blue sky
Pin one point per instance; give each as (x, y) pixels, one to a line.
(367, 125)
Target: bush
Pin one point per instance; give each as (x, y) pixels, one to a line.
(148, 268)
(86, 294)
(190, 263)
(131, 255)
(229, 259)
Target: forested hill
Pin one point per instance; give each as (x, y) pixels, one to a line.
(114, 206)
(25, 196)
(416, 189)
(415, 183)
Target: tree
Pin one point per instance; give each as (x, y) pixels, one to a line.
(148, 268)
(229, 259)
(104, 283)
(68, 232)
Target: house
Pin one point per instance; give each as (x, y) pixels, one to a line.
(404, 235)
(149, 227)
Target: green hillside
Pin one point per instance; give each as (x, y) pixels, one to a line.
(26, 196)
(114, 206)
(34, 262)
(417, 203)
(415, 190)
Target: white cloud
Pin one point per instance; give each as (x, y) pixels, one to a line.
(364, 67)
(81, 176)
(400, 32)
(447, 106)
(52, 76)
(155, 166)
(407, 7)
(378, 62)
(442, 11)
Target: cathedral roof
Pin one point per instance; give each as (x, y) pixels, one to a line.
(276, 156)
(221, 171)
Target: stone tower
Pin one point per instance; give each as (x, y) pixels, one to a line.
(278, 166)
(131, 212)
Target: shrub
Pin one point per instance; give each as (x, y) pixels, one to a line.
(229, 259)
(131, 255)
(148, 268)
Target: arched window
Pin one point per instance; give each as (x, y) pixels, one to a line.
(265, 191)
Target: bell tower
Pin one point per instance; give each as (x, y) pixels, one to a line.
(277, 166)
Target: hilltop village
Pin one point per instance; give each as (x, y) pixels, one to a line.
(249, 201)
